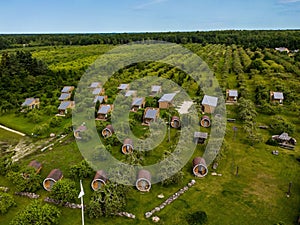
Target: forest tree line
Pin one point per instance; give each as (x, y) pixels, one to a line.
(246, 38)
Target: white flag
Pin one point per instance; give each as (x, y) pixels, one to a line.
(81, 194)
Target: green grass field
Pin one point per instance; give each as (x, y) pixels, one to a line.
(257, 196)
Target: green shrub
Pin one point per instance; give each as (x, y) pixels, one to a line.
(6, 201)
(197, 218)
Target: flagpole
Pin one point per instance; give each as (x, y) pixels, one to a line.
(81, 194)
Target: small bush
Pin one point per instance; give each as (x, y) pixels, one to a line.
(197, 218)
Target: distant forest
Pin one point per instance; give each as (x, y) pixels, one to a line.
(247, 38)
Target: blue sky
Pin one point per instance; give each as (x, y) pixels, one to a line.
(73, 16)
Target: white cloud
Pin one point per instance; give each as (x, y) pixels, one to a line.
(149, 3)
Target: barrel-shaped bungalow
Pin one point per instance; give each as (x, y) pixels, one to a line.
(99, 180)
(143, 182)
(199, 167)
(205, 121)
(54, 176)
(108, 131)
(175, 122)
(127, 146)
(36, 165)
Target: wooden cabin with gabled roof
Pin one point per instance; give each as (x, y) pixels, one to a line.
(150, 115)
(231, 96)
(175, 122)
(79, 130)
(54, 176)
(155, 89)
(276, 97)
(64, 106)
(127, 147)
(108, 131)
(123, 87)
(98, 91)
(200, 137)
(103, 111)
(100, 179)
(199, 167)
(143, 182)
(67, 89)
(137, 103)
(64, 96)
(95, 85)
(166, 101)
(131, 93)
(209, 104)
(101, 99)
(31, 103)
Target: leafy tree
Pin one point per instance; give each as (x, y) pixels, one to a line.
(279, 125)
(246, 110)
(26, 179)
(6, 164)
(197, 218)
(6, 202)
(55, 121)
(81, 170)
(64, 190)
(108, 201)
(37, 213)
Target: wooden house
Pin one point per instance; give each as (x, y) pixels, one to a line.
(64, 96)
(101, 99)
(137, 103)
(231, 96)
(64, 106)
(200, 137)
(127, 147)
(143, 182)
(99, 180)
(54, 176)
(98, 91)
(36, 165)
(103, 111)
(95, 85)
(108, 131)
(31, 103)
(284, 139)
(199, 167)
(131, 93)
(209, 104)
(67, 89)
(205, 121)
(276, 97)
(150, 115)
(79, 130)
(166, 101)
(123, 87)
(175, 122)
(155, 89)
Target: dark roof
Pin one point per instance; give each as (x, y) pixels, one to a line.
(81, 128)
(97, 91)
(137, 101)
(278, 95)
(95, 84)
(55, 174)
(28, 101)
(155, 88)
(64, 105)
(104, 109)
(210, 100)
(110, 127)
(199, 160)
(67, 89)
(167, 97)
(100, 174)
(35, 164)
(64, 96)
(123, 86)
(151, 113)
(144, 174)
(127, 141)
(233, 93)
(200, 135)
(99, 98)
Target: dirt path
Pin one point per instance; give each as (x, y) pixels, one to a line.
(11, 130)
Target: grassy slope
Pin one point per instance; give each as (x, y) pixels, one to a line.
(256, 196)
